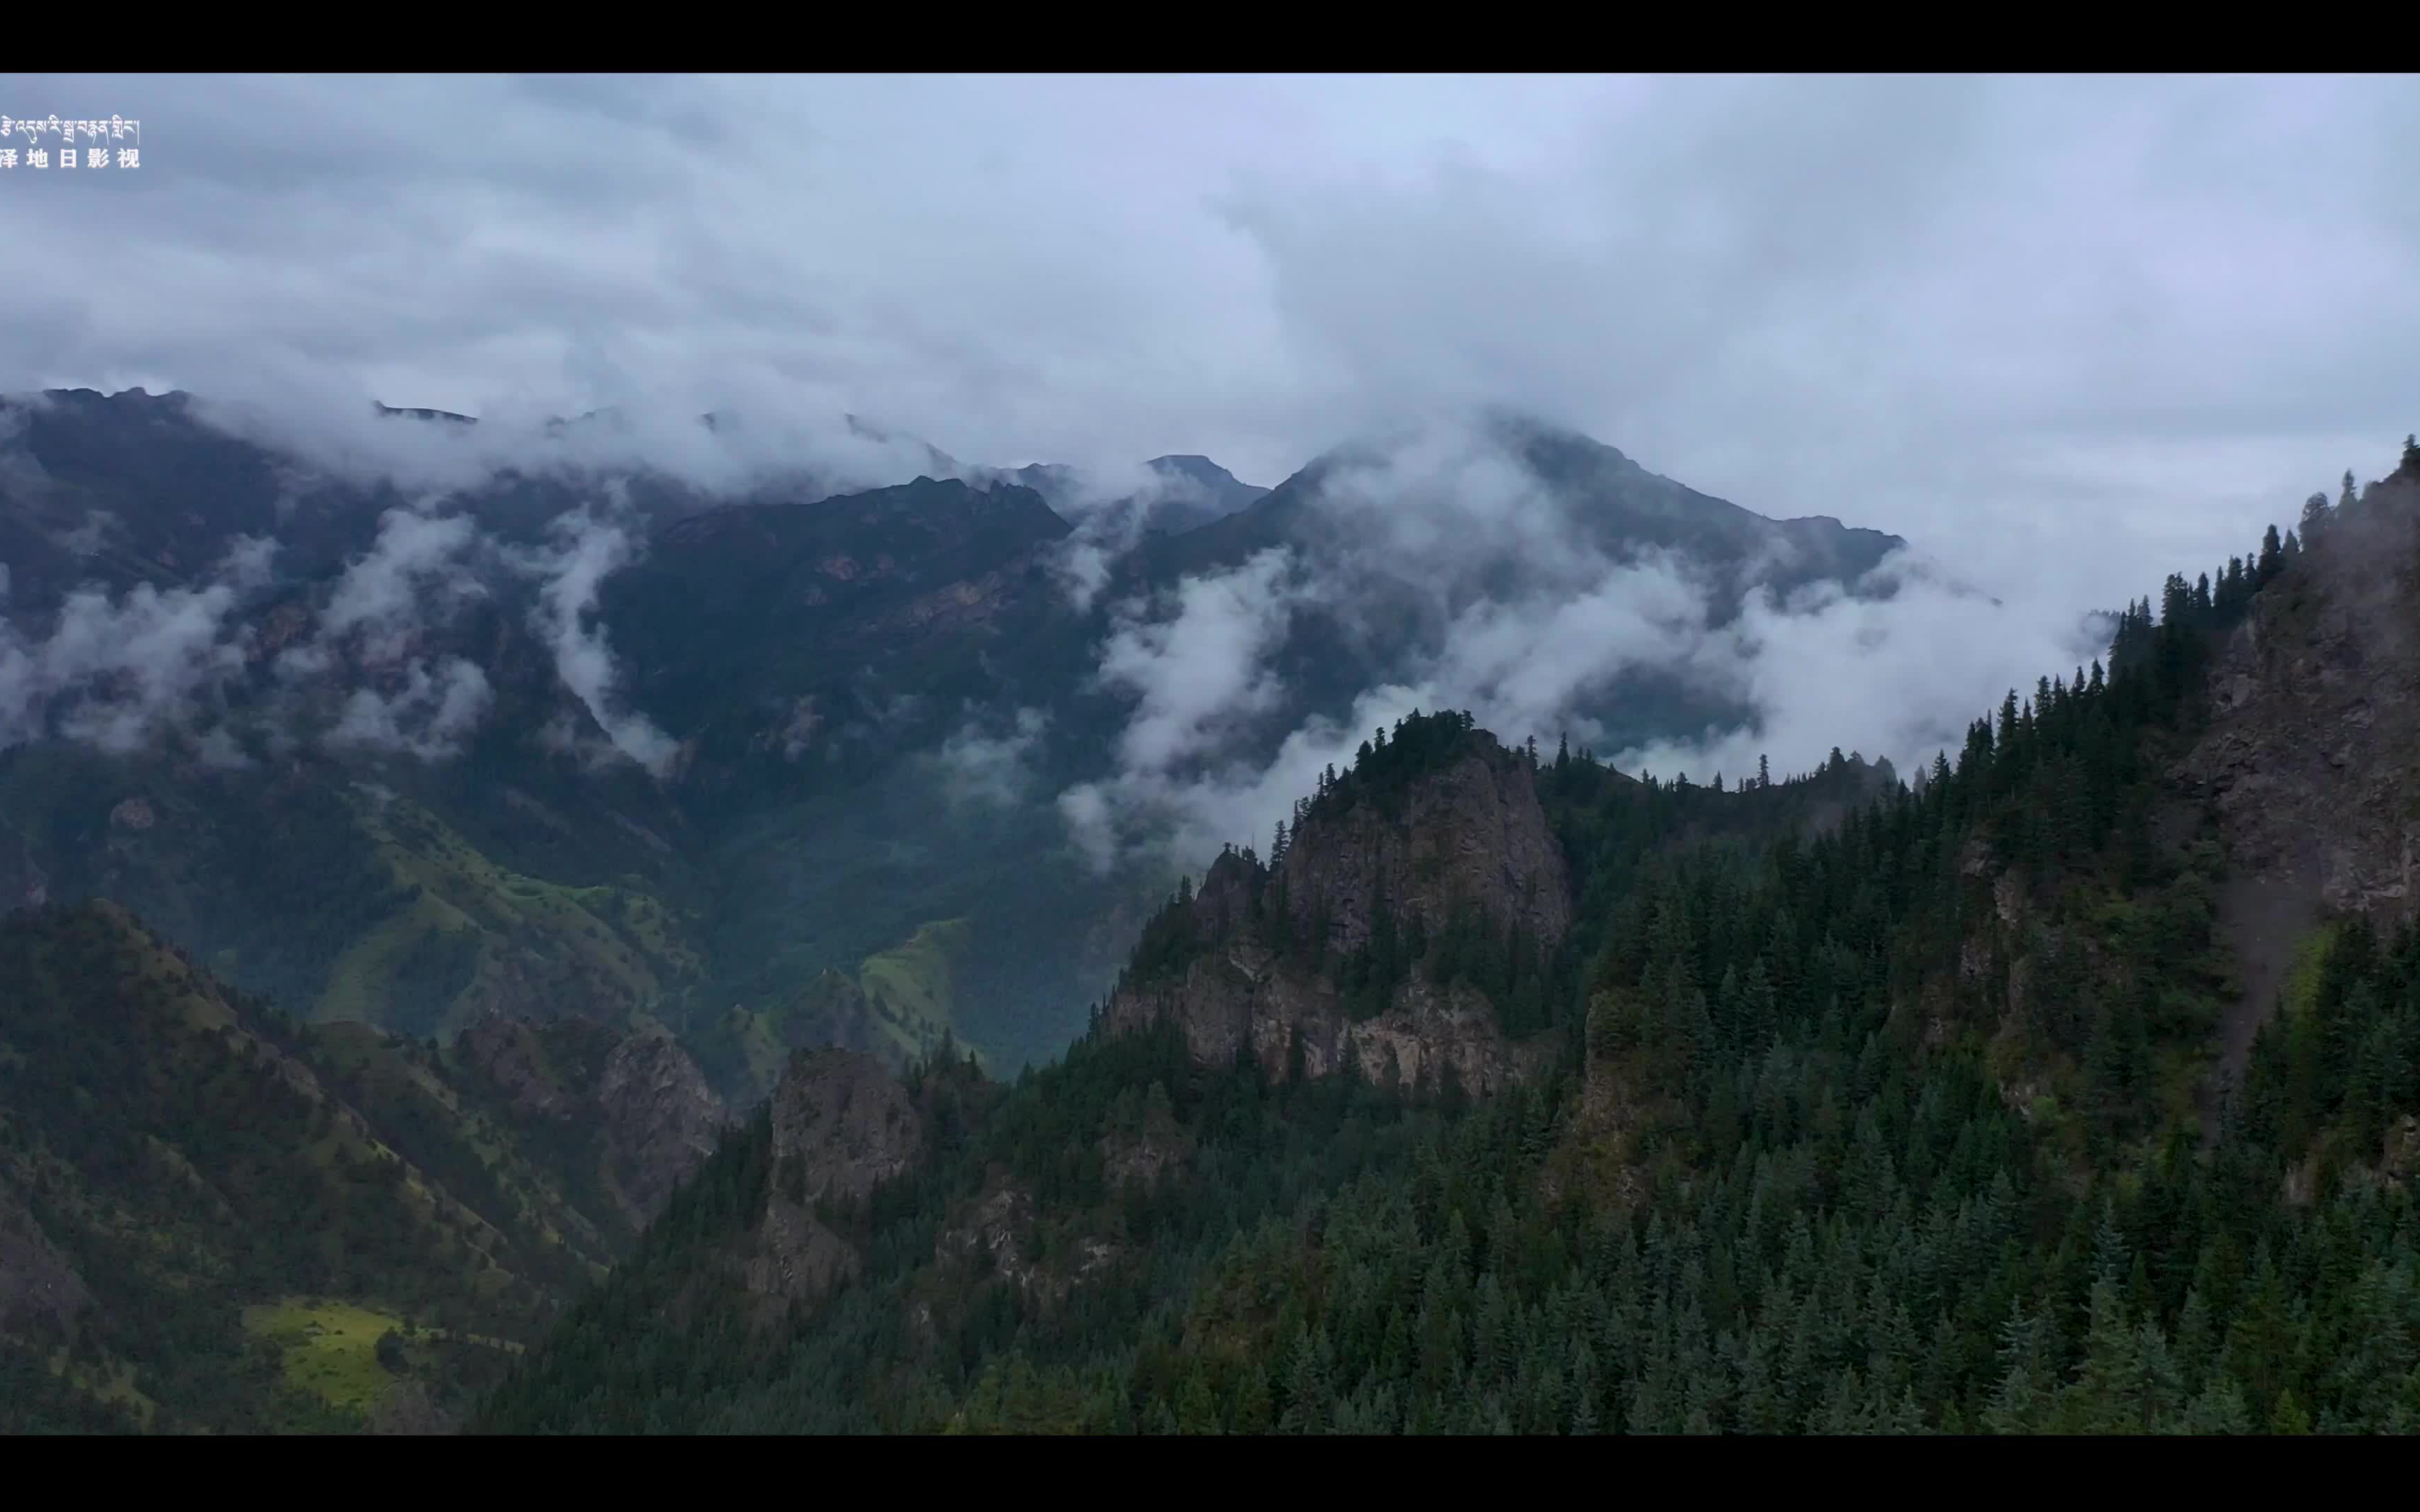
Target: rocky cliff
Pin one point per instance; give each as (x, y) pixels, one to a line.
(36, 1280)
(2311, 760)
(1466, 840)
(843, 1125)
(1472, 834)
(649, 1100)
(662, 1119)
(21, 882)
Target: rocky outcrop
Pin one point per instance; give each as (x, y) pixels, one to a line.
(21, 882)
(843, 1125)
(648, 1101)
(845, 1121)
(1146, 1148)
(994, 1234)
(508, 1053)
(36, 1280)
(1473, 833)
(1241, 1001)
(1470, 836)
(2312, 756)
(2311, 760)
(794, 1258)
(830, 1010)
(660, 1115)
(406, 1409)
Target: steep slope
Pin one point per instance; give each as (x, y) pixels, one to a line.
(583, 739)
(2311, 762)
(1620, 507)
(1438, 834)
(1408, 535)
(343, 896)
(1878, 1117)
(201, 1199)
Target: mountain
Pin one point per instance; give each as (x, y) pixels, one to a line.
(1411, 543)
(534, 727)
(213, 1218)
(1518, 1095)
(1179, 494)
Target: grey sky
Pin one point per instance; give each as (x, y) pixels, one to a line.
(1991, 315)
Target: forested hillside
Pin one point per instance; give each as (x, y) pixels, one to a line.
(215, 1218)
(1848, 1106)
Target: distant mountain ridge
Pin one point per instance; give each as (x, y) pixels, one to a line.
(819, 670)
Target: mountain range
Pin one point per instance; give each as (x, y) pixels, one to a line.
(408, 723)
(1501, 1091)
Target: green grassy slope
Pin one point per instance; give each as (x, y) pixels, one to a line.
(184, 1154)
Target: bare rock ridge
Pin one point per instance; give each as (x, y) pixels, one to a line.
(36, 1280)
(843, 1125)
(1472, 833)
(2312, 753)
(1469, 836)
(662, 1118)
(21, 882)
(659, 1118)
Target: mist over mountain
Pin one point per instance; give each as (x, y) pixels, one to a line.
(1210, 754)
(800, 721)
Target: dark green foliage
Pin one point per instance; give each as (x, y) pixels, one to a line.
(1872, 1178)
(187, 1152)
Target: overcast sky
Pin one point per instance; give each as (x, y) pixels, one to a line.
(1999, 318)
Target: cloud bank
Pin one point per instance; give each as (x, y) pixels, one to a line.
(1539, 634)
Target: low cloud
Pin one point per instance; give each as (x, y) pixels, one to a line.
(587, 549)
(749, 438)
(980, 767)
(1900, 677)
(1199, 671)
(118, 673)
(1534, 632)
(365, 655)
(429, 717)
(384, 594)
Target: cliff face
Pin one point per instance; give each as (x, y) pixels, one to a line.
(1473, 833)
(36, 1280)
(843, 1125)
(1470, 836)
(1242, 999)
(642, 1093)
(21, 882)
(2311, 760)
(2311, 756)
(662, 1118)
(847, 1125)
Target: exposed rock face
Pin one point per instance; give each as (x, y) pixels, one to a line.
(843, 1125)
(2312, 757)
(1471, 835)
(1241, 1000)
(658, 1118)
(832, 1009)
(660, 1115)
(992, 1231)
(846, 1120)
(796, 1259)
(1142, 1153)
(508, 1051)
(36, 1281)
(21, 882)
(406, 1409)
